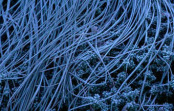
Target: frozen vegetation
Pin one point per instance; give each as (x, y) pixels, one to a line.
(86, 55)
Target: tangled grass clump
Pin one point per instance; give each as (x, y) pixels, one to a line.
(106, 55)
